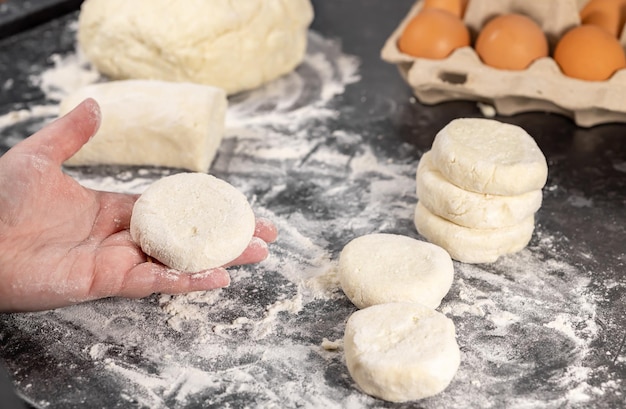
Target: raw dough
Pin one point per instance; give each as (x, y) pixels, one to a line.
(473, 245)
(192, 222)
(487, 156)
(153, 123)
(383, 268)
(234, 45)
(401, 351)
(469, 209)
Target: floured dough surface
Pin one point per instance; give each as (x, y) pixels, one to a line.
(401, 351)
(152, 123)
(383, 268)
(192, 222)
(234, 45)
(488, 156)
(470, 209)
(473, 245)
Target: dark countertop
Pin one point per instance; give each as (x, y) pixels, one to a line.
(541, 329)
(21, 15)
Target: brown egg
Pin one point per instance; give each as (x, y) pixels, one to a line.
(511, 42)
(589, 53)
(433, 34)
(456, 7)
(608, 14)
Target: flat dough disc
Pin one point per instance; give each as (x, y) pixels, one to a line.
(401, 351)
(487, 156)
(470, 209)
(473, 245)
(192, 222)
(383, 268)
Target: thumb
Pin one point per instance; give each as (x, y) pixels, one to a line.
(63, 137)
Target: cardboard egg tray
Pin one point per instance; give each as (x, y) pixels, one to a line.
(541, 87)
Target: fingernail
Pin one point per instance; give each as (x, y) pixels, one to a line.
(95, 114)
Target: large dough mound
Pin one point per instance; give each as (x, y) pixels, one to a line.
(488, 156)
(382, 268)
(401, 351)
(192, 222)
(234, 45)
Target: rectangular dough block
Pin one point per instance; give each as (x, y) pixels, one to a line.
(152, 123)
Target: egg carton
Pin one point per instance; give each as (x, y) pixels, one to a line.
(541, 87)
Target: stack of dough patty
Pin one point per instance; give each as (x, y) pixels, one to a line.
(479, 188)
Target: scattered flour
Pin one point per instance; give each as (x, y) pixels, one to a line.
(68, 74)
(525, 323)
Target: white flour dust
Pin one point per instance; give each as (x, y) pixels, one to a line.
(187, 337)
(273, 338)
(541, 308)
(68, 74)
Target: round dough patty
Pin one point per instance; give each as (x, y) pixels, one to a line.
(470, 209)
(192, 222)
(473, 245)
(401, 351)
(383, 268)
(487, 156)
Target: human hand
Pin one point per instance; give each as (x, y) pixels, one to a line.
(62, 243)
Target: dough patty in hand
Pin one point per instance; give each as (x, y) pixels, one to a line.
(192, 222)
